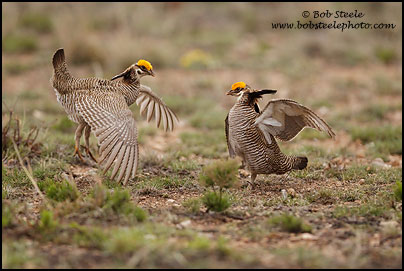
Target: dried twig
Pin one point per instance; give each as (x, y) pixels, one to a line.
(30, 177)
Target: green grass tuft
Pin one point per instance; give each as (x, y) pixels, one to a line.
(7, 213)
(47, 222)
(323, 196)
(41, 23)
(89, 237)
(289, 223)
(15, 43)
(16, 68)
(217, 202)
(398, 191)
(64, 125)
(386, 139)
(117, 201)
(386, 55)
(58, 191)
(192, 205)
(222, 173)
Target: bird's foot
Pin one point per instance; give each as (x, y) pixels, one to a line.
(90, 155)
(251, 185)
(78, 153)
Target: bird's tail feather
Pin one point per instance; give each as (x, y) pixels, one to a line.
(300, 163)
(58, 59)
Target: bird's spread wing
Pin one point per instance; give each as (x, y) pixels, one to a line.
(114, 126)
(230, 146)
(285, 118)
(153, 105)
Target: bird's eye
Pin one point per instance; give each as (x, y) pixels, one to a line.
(143, 68)
(138, 72)
(238, 89)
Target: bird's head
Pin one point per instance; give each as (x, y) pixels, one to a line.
(144, 68)
(138, 70)
(238, 89)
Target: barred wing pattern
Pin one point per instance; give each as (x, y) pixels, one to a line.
(150, 103)
(284, 119)
(114, 126)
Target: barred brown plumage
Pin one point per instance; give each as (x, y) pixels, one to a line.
(102, 106)
(251, 133)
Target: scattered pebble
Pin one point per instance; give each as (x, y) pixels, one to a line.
(183, 159)
(361, 181)
(375, 240)
(185, 223)
(292, 192)
(308, 236)
(380, 163)
(244, 173)
(389, 224)
(284, 194)
(38, 114)
(170, 200)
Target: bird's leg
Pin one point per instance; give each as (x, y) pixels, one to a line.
(77, 136)
(252, 183)
(87, 132)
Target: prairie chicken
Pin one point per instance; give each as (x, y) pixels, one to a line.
(102, 106)
(251, 132)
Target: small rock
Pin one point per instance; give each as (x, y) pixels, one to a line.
(244, 173)
(284, 194)
(389, 224)
(361, 181)
(170, 200)
(292, 192)
(38, 114)
(380, 163)
(308, 236)
(185, 223)
(183, 159)
(375, 240)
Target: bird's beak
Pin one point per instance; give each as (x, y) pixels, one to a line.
(151, 72)
(230, 92)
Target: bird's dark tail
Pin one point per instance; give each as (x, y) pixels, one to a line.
(58, 59)
(300, 163)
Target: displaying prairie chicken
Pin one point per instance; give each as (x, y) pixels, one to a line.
(251, 132)
(102, 106)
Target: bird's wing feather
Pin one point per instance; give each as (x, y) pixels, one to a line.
(114, 126)
(230, 146)
(285, 118)
(150, 103)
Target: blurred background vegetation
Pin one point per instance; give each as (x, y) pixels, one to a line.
(198, 50)
(352, 78)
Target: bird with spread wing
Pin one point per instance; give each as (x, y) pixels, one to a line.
(251, 132)
(102, 106)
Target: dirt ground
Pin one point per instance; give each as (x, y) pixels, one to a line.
(347, 202)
